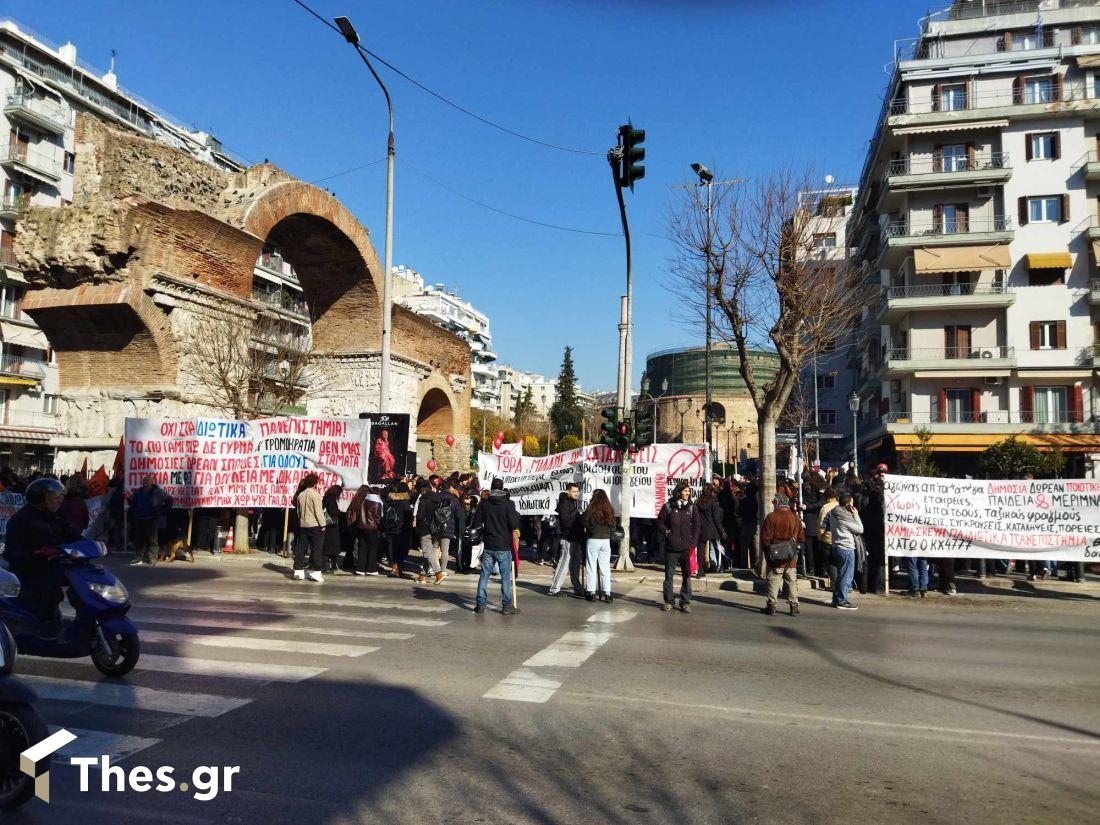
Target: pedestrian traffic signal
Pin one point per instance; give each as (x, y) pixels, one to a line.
(631, 139)
(610, 427)
(644, 433)
(623, 433)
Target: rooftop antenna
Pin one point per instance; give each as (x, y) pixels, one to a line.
(112, 69)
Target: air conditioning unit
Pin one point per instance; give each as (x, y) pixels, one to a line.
(985, 192)
(993, 382)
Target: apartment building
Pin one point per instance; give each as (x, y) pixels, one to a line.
(445, 308)
(828, 378)
(514, 384)
(976, 223)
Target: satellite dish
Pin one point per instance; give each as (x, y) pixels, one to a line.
(830, 180)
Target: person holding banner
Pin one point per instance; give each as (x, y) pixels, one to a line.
(311, 523)
(679, 522)
(598, 520)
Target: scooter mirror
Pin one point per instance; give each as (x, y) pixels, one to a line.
(7, 651)
(9, 585)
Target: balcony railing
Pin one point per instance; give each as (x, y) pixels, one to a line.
(7, 256)
(272, 263)
(941, 165)
(14, 203)
(993, 8)
(958, 226)
(18, 365)
(975, 353)
(938, 290)
(986, 417)
(283, 301)
(40, 161)
(12, 312)
(30, 419)
(1050, 92)
(40, 107)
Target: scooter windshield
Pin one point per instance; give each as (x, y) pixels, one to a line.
(85, 549)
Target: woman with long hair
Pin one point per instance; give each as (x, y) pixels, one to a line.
(710, 530)
(311, 522)
(598, 520)
(333, 525)
(365, 519)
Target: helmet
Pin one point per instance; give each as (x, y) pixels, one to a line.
(882, 468)
(38, 490)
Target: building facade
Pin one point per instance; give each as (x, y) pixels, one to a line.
(514, 385)
(976, 222)
(674, 385)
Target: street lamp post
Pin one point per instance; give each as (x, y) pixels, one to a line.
(706, 179)
(853, 405)
(352, 37)
(683, 412)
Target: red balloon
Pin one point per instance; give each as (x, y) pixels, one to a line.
(498, 444)
(500, 437)
(431, 465)
(450, 440)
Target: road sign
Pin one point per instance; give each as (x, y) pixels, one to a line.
(823, 436)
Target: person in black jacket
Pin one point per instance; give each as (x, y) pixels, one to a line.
(679, 521)
(334, 526)
(710, 530)
(499, 520)
(397, 526)
(571, 541)
(747, 512)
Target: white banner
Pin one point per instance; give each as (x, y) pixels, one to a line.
(509, 449)
(210, 462)
(535, 482)
(941, 517)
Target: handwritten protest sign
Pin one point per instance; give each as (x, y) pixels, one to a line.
(1051, 519)
(209, 462)
(535, 482)
(9, 506)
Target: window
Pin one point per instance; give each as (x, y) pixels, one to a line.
(70, 162)
(826, 418)
(1050, 405)
(1046, 209)
(1044, 277)
(958, 408)
(954, 218)
(956, 340)
(10, 299)
(1042, 146)
(49, 404)
(954, 158)
(1048, 334)
(1038, 90)
(825, 240)
(952, 98)
(826, 381)
(1024, 42)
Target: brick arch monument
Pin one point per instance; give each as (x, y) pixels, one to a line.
(157, 241)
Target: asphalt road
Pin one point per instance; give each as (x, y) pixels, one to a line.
(373, 700)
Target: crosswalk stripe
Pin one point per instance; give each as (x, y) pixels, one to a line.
(101, 743)
(250, 643)
(116, 694)
(257, 611)
(267, 626)
(235, 596)
(258, 671)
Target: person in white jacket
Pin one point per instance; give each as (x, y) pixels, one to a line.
(844, 525)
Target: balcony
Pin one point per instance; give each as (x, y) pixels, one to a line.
(907, 175)
(30, 420)
(1053, 99)
(7, 258)
(36, 112)
(283, 300)
(17, 365)
(1001, 421)
(272, 264)
(898, 361)
(898, 301)
(12, 205)
(1091, 164)
(969, 231)
(30, 163)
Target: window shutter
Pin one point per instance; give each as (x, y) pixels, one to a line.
(975, 404)
(1057, 147)
(1056, 82)
(1078, 404)
(950, 341)
(1033, 330)
(1065, 207)
(1076, 35)
(1022, 204)
(1028, 154)
(937, 217)
(970, 164)
(1018, 90)
(1060, 335)
(1006, 42)
(937, 158)
(943, 405)
(1027, 403)
(962, 217)
(936, 97)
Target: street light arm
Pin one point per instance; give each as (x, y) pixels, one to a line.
(385, 91)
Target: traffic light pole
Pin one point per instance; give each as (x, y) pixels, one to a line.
(626, 363)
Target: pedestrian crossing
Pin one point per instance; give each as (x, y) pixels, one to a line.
(229, 644)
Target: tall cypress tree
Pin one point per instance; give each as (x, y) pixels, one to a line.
(566, 413)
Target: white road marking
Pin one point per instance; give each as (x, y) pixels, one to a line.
(119, 695)
(100, 743)
(530, 684)
(233, 670)
(310, 599)
(188, 640)
(257, 611)
(266, 625)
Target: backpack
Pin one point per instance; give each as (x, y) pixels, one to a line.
(443, 522)
(391, 520)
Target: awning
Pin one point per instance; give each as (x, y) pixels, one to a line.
(951, 127)
(1096, 252)
(961, 258)
(975, 443)
(1049, 260)
(16, 435)
(1090, 61)
(11, 380)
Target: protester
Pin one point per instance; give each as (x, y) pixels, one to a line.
(710, 530)
(148, 505)
(311, 523)
(679, 523)
(747, 512)
(844, 526)
(780, 537)
(364, 518)
(812, 500)
(334, 526)
(498, 518)
(598, 520)
(74, 507)
(917, 567)
(435, 520)
(571, 533)
(397, 527)
(873, 516)
(549, 539)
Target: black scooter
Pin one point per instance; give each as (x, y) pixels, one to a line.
(20, 725)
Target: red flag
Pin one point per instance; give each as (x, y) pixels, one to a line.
(97, 485)
(84, 468)
(120, 460)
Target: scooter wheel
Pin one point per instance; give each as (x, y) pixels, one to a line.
(121, 658)
(20, 728)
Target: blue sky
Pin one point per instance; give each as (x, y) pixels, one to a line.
(739, 86)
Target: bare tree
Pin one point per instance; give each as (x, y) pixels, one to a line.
(770, 286)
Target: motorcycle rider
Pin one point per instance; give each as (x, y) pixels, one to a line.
(34, 534)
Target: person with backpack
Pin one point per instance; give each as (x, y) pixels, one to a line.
(436, 522)
(397, 527)
(549, 540)
(365, 519)
(780, 537)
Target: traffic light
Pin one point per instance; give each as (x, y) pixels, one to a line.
(631, 140)
(622, 441)
(644, 434)
(610, 427)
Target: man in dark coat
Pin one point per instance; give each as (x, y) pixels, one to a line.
(498, 517)
(679, 522)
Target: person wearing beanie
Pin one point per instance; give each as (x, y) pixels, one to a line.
(780, 537)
